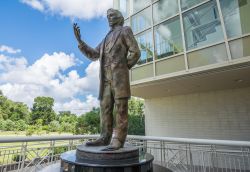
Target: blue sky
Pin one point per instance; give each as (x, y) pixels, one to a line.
(39, 54)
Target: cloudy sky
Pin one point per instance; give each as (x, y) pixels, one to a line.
(39, 54)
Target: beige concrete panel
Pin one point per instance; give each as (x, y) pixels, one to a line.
(221, 114)
(142, 72)
(170, 65)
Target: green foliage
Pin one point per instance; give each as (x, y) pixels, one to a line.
(67, 127)
(13, 110)
(89, 123)
(18, 158)
(9, 125)
(2, 124)
(54, 126)
(30, 130)
(67, 116)
(43, 109)
(136, 118)
(59, 150)
(21, 125)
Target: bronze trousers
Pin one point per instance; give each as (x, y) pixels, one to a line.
(107, 104)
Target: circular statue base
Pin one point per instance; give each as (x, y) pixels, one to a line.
(97, 153)
(95, 159)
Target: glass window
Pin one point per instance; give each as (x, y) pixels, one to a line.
(206, 56)
(185, 4)
(202, 26)
(168, 39)
(146, 46)
(236, 16)
(240, 47)
(140, 4)
(123, 6)
(141, 21)
(126, 22)
(164, 9)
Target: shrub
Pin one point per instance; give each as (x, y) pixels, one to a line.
(31, 130)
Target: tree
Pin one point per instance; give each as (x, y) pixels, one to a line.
(43, 109)
(136, 118)
(21, 125)
(13, 110)
(67, 116)
(89, 122)
(54, 126)
(19, 111)
(9, 125)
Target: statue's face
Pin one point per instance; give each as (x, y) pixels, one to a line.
(113, 18)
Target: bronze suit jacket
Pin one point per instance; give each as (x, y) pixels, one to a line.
(125, 53)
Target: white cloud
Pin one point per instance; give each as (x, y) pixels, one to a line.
(78, 107)
(36, 4)
(10, 50)
(52, 76)
(82, 9)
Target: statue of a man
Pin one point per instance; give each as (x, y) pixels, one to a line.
(117, 53)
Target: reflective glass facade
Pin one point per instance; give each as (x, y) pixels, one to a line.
(197, 32)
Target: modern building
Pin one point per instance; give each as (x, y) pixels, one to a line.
(194, 71)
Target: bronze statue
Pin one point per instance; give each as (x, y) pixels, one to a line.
(117, 53)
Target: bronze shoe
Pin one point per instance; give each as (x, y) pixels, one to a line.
(98, 142)
(115, 145)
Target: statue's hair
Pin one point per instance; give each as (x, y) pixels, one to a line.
(119, 15)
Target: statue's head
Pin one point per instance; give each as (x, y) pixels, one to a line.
(115, 17)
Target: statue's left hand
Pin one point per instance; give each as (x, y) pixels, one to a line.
(77, 32)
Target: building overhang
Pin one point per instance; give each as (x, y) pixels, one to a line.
(223, 76)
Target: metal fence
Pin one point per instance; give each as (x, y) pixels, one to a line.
(179, 154)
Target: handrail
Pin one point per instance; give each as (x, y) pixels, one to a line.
(146, 138)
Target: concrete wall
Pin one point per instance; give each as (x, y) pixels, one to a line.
(210, 115)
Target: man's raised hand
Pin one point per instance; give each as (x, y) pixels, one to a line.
(77, 32)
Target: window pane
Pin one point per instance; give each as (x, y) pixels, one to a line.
(164, 9)
(146, 46)
(141, 21)
(123, 6)
(168, 39)
(185, 4)
(236, 16)
(206, 56)
(126, 22)
(140, 4)
(202, 26)
(240, 47)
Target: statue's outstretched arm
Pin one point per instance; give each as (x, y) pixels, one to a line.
(92, 54)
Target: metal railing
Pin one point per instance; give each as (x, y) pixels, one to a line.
(179, 154)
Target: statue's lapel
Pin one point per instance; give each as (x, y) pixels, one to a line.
(115, 36)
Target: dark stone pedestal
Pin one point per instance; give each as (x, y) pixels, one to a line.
(95, 159)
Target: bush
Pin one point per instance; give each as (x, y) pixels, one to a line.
(54, 126)
(67, 127)
(2, 125)
(21, 125)
(31, 130)
(9, 125)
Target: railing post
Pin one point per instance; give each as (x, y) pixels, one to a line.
(52, 148)
(190, 158)
(22, 156)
